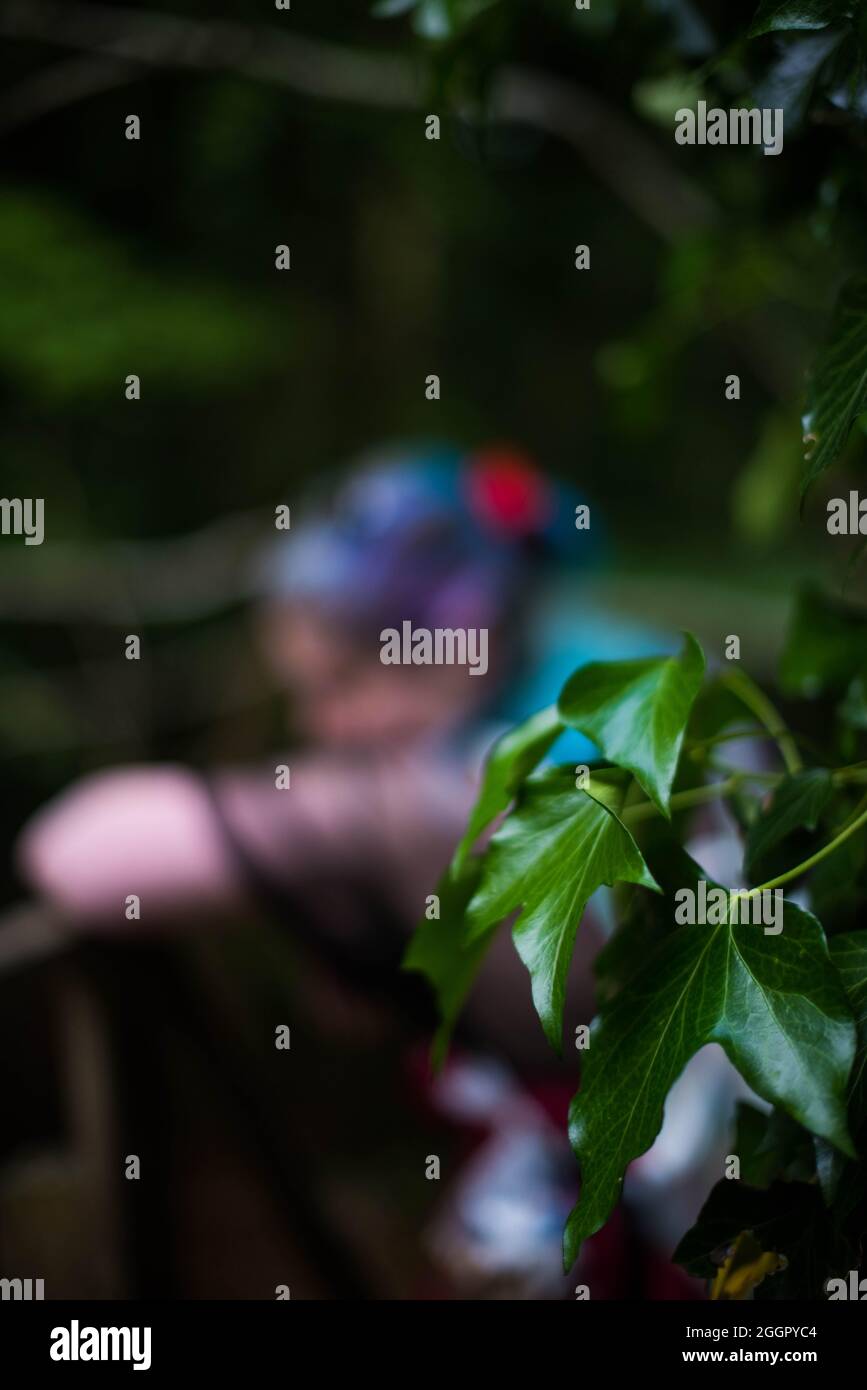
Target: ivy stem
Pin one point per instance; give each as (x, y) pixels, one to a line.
(697, 796)
(855, 772)
(767, 713)
(799, 869)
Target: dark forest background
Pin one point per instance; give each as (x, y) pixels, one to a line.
(408, 256)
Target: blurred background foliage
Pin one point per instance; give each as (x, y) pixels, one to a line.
(409, 256)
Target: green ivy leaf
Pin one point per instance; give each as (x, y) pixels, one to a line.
(718, 710)
(790, 81)
(637, 711)
(801, 14)
(771, 1145)
(648, 918)
(797, 801)
(826, 646)
(789, 1218)
(837, 887)
(849, 954)
(511, 759)
(641, 925)
(774, 1003)
(440, 951)
(838, 385)
(556, 848)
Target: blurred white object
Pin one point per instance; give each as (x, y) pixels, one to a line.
(499, 1230)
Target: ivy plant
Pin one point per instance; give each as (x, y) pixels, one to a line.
(788, 1005)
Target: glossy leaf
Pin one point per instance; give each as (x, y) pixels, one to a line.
(801, 14)
(441, 951)
(556, 848)
(774, 1003)
(849, 954)
(648, 918)
(512, 758)
(637, 712)
(797, 801)
(791, 80)
(838, 385)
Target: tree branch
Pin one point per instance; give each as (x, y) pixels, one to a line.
(619, 154)
(59, 86)
(178, 579)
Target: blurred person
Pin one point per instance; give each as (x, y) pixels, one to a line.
(380, 793)
(438, 539)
